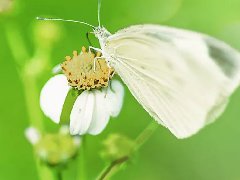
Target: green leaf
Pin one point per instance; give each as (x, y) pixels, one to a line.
(68, 105)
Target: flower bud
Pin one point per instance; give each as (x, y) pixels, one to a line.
(117, 146)
(54, 148)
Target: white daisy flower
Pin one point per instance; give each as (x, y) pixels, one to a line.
(97, 101)
(54, 148)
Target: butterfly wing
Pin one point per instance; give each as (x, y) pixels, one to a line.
(182, 78)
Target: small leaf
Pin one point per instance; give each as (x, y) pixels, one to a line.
(68, 105)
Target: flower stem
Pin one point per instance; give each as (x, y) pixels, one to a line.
(82, 175)
(21, 58)
(17, 45)
(108, 170)
(145, 135)
(59, 175)
(116, 165)
(44, 172)
(32, 96)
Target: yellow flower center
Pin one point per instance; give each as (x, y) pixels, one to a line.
(87, 70)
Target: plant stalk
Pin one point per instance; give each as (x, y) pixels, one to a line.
(21, 57)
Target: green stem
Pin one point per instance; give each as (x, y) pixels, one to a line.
(20, 53)
(145, 135)
(44, 172)
(109, 169)
(16, 44)
(81, 161)
(116, 165)
(59, 175)
(32, 102)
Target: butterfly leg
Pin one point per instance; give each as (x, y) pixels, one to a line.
(94, 62)
(109, 72)
(109, 82)
(107, 90)
(95, 49)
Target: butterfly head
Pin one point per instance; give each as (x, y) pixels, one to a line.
(101, 33)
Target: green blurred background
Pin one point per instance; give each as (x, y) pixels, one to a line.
(212, 154)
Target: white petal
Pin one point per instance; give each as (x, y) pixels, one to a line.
(81, 114)
(32, 135)
(57, 69)
(78, 107)
(101, 115)
(53, 95)
(114, 98)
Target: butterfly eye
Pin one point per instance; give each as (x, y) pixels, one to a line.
(87, 70)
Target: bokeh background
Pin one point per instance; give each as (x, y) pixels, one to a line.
(212, 154)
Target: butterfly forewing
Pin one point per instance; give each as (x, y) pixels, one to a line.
(183, 79)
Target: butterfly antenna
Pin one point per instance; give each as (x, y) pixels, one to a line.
(68, 20)
(99, 10)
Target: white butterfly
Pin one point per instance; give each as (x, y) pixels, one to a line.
(183, 79)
